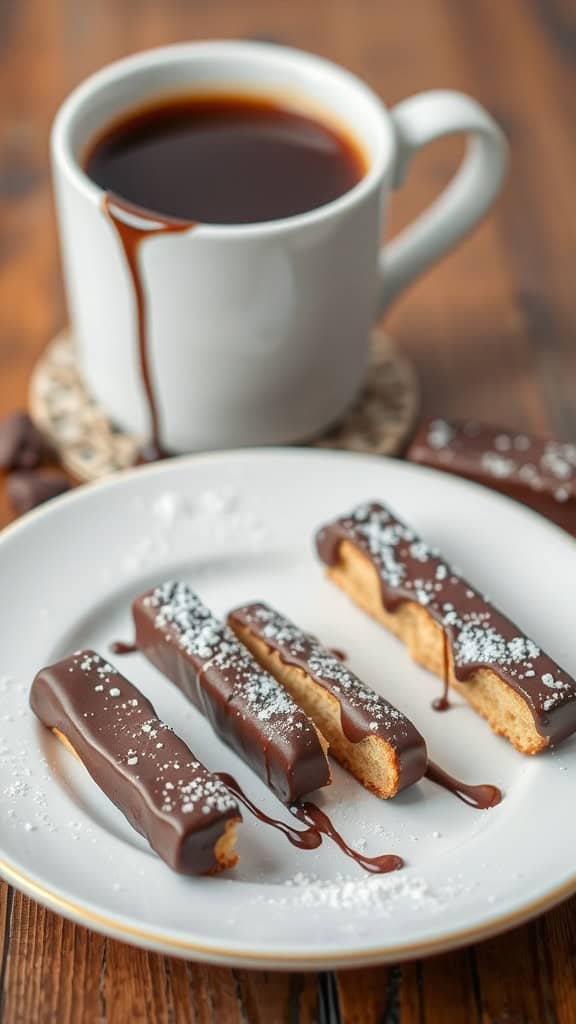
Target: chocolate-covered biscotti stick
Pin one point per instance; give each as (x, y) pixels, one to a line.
(370, 737)
(395, 577)
(186, 814)
(245, 705)
(538, 472)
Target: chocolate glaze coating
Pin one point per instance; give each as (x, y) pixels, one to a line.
(539, 473)
(136, 760)
(246, 707)
(363, 713)
(478, 634)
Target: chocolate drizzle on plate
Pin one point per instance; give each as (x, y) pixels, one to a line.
(121, 647)
(133, 226)
(480, 797)
(303, 839)
(311, 814)
(318, 823)
(479, 636)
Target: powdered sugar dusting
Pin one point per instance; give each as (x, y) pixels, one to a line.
(184, 618)
(542, 465)
(440, 434)
(496, 465)
(123, 723)
(22, 798)
(298, 647)
(369, 896)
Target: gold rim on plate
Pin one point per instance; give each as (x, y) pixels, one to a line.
(99, 922)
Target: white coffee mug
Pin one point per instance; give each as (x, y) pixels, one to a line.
(257, 333)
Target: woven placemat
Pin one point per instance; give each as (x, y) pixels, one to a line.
(91, 446)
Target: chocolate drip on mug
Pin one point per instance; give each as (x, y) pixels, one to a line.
(318, 823)
(131, 236)
(480, 797)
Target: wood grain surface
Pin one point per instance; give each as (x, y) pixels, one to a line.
(492, 331)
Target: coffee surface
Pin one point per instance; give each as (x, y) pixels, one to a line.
(224, 160)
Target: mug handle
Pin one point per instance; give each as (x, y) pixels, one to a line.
(417, 121)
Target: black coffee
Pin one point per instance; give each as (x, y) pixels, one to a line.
(224, 160)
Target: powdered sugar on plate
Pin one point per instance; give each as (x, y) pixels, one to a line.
(178, 518)
(369, 895)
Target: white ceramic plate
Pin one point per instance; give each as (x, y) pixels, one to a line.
(238, 526)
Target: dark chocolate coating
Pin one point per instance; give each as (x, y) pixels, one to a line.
(246, 707)
(136, 760)
(363, 713)
(539, 473)
(478, 634)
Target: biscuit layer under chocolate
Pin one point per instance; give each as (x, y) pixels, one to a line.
(363, 713)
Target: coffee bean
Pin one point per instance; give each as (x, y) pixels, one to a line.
(28, 488)
(21, 443)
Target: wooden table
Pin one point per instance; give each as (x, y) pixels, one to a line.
(492, 332)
